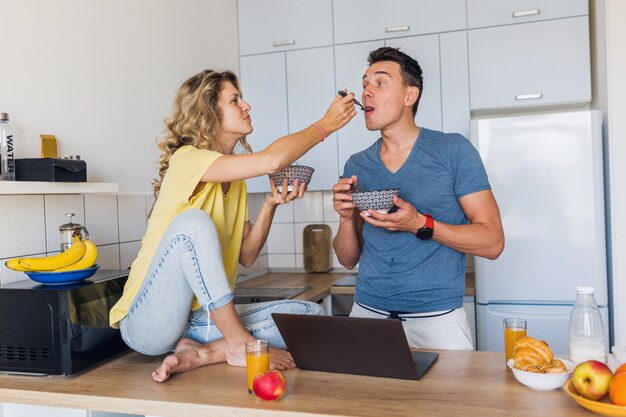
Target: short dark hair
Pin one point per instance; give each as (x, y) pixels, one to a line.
(409, 68)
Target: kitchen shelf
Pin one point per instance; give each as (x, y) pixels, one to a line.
(40, 187)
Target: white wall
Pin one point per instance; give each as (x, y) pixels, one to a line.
(615, 15)
(101, 75)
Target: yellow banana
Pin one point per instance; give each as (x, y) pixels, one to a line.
(14, 264)
(87, 261)
(69, 257)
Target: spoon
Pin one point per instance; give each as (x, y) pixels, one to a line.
(343, 94)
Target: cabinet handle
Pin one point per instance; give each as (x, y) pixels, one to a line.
(524, 13)
(397, 29)
(283, 43)
(528, 96)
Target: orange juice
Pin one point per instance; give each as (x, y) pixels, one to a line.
(256, 362)
(511, 335)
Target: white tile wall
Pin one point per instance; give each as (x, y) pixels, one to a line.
(101, 218)
(286, 234)
(56, 207)
(281, 239)
(22, 225)
(330, 215)
(132, 216)
(32, 223)
(128, 253)
(109, 256)
(8, 276)
(309, 208)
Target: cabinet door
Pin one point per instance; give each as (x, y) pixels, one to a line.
(277, 25)
(365, 20)
(481, 13)
(310, 90)
(530, 64)
(264, 87)
(350, 65)
(425, 49)
(455, 102)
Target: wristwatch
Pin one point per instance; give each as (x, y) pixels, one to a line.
(426, 232)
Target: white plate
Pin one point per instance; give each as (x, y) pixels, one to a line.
(542, 382)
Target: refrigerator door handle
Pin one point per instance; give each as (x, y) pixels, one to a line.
(510, 311)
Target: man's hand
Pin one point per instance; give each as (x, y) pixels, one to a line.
(342, 198)
(406, 219)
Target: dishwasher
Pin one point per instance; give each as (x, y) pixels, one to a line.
(342, 303)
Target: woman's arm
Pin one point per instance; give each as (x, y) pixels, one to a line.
(283, 151)
(254, 237)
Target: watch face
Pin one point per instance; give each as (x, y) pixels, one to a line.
(425, 233)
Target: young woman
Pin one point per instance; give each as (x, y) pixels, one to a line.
(179, 292)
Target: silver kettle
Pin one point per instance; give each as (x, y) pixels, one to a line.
(69, 230)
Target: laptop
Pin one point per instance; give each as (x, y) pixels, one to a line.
(351, 345)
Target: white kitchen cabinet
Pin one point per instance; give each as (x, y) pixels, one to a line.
(305, 80)
(366, 20)
(530, 64)
(264, 87)
(425, 49)
(482, 13)
(278, 25)
(310, 90)
(350, 65)
(455, 101)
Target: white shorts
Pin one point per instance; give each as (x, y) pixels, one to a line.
(435, 330)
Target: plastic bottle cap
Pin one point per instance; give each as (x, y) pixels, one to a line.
(584, 290)
(4, 116)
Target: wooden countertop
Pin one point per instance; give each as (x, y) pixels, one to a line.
(459, 384)
(322, 284)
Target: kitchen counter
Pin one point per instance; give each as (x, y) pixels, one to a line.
(459, 384)
(322, 284)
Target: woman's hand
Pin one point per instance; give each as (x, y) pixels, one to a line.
(278, 198)
(340, 112)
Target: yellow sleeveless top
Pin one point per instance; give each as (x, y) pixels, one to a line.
(229, 213)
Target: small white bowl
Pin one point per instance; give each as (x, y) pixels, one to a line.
(542, 382)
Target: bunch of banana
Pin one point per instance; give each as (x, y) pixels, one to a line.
(82, 254)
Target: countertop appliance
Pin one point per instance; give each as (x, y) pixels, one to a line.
(59, 329)
(546, 173)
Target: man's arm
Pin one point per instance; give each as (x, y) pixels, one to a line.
(482, 236)
(348, 243)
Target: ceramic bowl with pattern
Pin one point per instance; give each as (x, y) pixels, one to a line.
(379, 200)
(300, 172)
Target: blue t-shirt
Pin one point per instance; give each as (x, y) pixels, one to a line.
(398, 271)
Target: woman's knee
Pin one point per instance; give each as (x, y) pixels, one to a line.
(194, 222)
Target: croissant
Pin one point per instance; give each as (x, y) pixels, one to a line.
(556, 367)
(531, 352)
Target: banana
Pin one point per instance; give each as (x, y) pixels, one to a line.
(87, 261)
(14, 264)
(63, 259)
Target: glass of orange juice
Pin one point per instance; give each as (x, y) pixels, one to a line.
(257, 359)
(514, 329)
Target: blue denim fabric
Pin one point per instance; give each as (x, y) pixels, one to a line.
(188, 262)
(256, 318)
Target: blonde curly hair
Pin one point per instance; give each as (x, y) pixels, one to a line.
(195, 118)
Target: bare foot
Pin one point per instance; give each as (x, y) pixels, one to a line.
(281, 359)
(190, 355)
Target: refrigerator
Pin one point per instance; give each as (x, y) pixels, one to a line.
(546, 174)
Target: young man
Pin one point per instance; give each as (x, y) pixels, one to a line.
(412, 261)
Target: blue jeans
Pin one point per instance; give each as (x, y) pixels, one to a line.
(188, 262)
